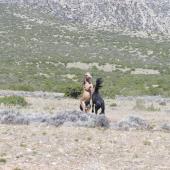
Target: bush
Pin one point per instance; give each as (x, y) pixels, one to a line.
(113, 105)
(73, 91)
(2, 160)
(13, 100)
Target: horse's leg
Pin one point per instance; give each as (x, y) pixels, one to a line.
(81, 108)
(83, 105)
(96, 109)
(92, 107)
(102, 109)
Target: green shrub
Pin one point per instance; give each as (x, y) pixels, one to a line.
(73, 91)
(113, 105)
(13, 100)
(2, 160)
(147, 142)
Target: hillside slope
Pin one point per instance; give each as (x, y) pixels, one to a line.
(147, 16)
(44, 52)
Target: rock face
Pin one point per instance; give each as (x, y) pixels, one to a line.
(148, 16)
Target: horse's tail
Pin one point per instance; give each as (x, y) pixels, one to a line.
(98, 85)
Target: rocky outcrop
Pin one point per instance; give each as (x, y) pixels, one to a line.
(151, 16)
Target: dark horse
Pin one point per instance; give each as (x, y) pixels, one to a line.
(97, 100)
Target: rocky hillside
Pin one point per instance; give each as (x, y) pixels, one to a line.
(49, 52)
(144, 16)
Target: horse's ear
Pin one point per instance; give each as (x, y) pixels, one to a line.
(84, 81)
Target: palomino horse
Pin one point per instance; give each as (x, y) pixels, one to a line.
(87, 93)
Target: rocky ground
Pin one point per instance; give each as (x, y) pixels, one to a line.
(45, 146)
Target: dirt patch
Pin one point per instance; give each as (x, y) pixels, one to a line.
(145, 71)
(106, 67)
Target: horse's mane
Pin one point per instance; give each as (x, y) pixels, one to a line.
(98, 84)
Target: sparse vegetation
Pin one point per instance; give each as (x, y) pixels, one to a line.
(13, 100)
(147, 142)
(140, 105)
(3, 160)
(89, 138)
(44, 133)
(152, 108)
(35, 52)
(113, 105)
(23, 145)
(21, 87)
(76, 140)
(17, 168)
